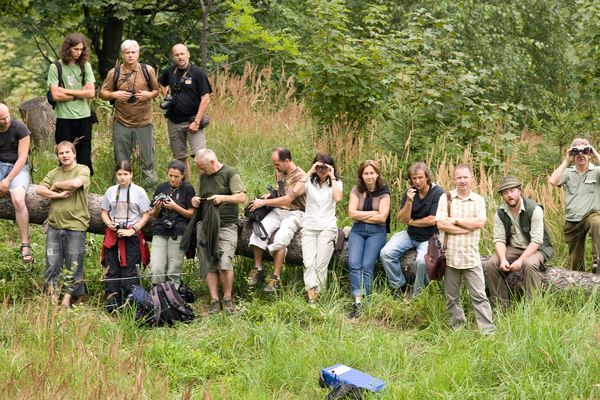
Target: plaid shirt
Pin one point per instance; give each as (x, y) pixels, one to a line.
(463, 250)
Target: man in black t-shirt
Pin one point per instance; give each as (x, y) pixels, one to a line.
(14, 172)
(418, 209)
(190, 91)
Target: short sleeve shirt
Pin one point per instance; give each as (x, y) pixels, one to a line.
(517, 238)
(219, 183)
(9, 141)
(423, 208)
(125, 208)
(138, 113)
(71, 77)
(182, 196)
(582, 192)
(288, 181)
(187, 86)
(463, 250)
(71, 213)
(320, 206)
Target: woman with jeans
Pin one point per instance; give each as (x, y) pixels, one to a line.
(172, 209)
(369, 208)
(319, 225)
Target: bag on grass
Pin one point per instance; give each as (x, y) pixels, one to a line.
(169, 307)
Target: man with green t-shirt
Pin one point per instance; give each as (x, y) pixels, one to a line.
(67, 188)
(220, 186)
(70, 88)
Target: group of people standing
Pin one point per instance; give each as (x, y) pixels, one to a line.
(304, 201)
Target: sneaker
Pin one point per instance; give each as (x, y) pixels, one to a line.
(214, 307)
(256, 275)
(228, 306)
(273, 285)
(356, 311)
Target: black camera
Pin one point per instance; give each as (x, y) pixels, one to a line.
(132, 98)
(585, 150)
(322, 167)
(168, 224)
(161, 197)
(121, 225)
(167, 101)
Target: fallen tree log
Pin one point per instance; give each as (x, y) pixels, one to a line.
(38, 212)
(37, 114)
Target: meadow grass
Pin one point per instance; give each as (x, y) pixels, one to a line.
(273, 348)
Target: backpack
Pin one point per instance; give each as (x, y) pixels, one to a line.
(162, 306)
(145, 72)
(58, 65)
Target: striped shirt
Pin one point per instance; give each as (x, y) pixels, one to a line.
(463, 250)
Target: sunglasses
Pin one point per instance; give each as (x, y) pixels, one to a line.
(586, 150)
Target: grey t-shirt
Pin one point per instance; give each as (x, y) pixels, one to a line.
(120, 209)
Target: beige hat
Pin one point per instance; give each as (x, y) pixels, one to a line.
(508, 182)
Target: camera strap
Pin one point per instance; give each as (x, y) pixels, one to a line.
(127, 202)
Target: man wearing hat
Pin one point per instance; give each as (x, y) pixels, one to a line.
(520, 240)
(582, 200)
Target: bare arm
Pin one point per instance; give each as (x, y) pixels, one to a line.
(354, 213)
(557, 175)
(423, 222)
(470, 223)
(50, 194)
(448, 227)
(87, 92)
(237, 198)
(405, 211)
(70, 184)
(202, 108)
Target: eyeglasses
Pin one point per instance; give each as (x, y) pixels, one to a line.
(586, 150)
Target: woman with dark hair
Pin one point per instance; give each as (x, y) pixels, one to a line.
(71, 83)
(125, 211)
(369, 208)
(172, 209)
(319, 225)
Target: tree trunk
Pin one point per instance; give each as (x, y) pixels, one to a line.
(38, 212)
(111, 45)
(37, 114)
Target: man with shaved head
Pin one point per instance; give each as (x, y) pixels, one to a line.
(189, 90)
(14, 172)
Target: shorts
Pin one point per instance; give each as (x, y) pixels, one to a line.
(179, 136)
(22, 178)
(228, 238)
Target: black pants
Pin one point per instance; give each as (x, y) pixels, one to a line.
(119, 279)
(71, 129)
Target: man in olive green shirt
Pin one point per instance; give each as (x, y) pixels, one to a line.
(520, 240)
(67, 188)
(221, 185)
(582, 200)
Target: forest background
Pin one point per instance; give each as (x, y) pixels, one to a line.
(504, 85)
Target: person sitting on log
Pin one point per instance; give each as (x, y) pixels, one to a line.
(221, 191)
(125, 211)
(417, 210)
(582, 200)
(67, 187)
(285, 217)
(14, 173)
(521, 243)
(172, 210)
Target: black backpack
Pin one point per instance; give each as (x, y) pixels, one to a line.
(162, 306)
(58, 65)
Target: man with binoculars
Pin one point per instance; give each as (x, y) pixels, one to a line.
(582, 200)
(131, 87)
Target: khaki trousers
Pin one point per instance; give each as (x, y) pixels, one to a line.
(575, 233)
(474, 280)
(496, 278)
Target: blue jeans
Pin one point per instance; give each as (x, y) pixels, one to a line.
(364, 243)
(390, 257)
(64, 248)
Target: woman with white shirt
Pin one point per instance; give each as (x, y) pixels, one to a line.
(319, 225)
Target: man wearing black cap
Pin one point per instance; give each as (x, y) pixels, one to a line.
(520, 240)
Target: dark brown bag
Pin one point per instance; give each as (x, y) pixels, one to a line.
(435, 259)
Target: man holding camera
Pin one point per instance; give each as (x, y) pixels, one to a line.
(285, 217)
(131, 87)
(187, 94)
(582, 200)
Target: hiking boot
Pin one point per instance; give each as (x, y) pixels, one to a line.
(273, 285)
(256, 275)
(228, 306)
(356, 311)
(214, 307)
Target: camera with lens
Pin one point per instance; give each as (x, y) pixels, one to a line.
(168, 223)
(121, 225)
(576, 151)
(132, 99)
(322, 167)
(161, 197)
(167, 101)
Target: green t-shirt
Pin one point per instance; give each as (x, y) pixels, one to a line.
(71, 213)
(225, 181)
(71, 77)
